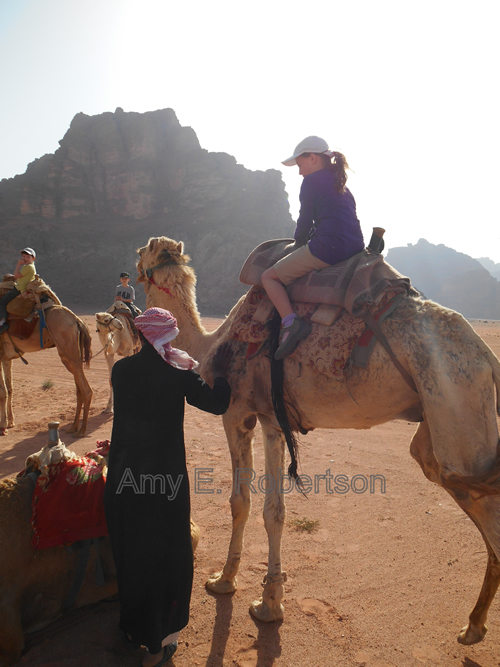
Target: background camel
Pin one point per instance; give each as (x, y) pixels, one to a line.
(116, 337)
(455, 443)
(70, 335)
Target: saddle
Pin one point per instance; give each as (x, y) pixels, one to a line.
(364, 285)
(23, 311)
(358, 284)
(67, 504)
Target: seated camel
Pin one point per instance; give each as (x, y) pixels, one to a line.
(35, 584)
(116, 337)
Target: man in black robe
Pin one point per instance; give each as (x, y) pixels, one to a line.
(147, 490)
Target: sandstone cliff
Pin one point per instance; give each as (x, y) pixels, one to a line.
(119, 178)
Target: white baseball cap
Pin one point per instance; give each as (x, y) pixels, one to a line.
(308, 145)
(28, 251)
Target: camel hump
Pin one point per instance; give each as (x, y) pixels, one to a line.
(357, 284)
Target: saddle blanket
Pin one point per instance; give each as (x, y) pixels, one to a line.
(21, 328)
(327, 348)
(68, 501)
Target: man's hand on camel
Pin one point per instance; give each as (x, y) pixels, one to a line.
(222, 359)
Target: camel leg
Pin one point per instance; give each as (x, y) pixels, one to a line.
(110, 360)
(7, 369)
(268, 607)
(83, 395)
(474, 632)
(239, 434)
(476, 629)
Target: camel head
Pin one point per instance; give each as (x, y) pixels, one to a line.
(170, 281)
(107, 320)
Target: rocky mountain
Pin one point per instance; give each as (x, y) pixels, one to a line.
(119, 178)
(451, 278)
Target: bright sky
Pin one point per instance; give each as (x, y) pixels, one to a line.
(408, 91)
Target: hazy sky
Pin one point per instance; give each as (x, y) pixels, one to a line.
(407, 90)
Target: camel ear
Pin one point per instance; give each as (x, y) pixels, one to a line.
(152, 244)
(180, 247)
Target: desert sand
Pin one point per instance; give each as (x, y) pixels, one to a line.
(383, 579)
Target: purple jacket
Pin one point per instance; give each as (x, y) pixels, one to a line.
(328, 219)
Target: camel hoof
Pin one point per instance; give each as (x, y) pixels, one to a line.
(79, 434)
(107, 411)
(471, 635)
(263, 611)
(3, 431)
(217, 584)
(10, 424)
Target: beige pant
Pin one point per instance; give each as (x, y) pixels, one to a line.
(296, 264)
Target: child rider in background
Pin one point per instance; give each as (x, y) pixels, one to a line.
(327, 232)
(24, 273)
(126, 293)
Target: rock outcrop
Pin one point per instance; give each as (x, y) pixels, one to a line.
(451, 278)
(119, 178)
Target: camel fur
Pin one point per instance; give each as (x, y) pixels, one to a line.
(35, 584)
(116, 337)
(456, 442)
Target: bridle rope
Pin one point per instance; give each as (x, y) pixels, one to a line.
(148, 274)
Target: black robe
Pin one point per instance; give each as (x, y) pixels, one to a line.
(148, 517)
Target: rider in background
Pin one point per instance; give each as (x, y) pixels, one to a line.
(24, 273)
(126, 293)
(327, 232)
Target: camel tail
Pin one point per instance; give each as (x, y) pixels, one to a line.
(278, 397)
(85, 342)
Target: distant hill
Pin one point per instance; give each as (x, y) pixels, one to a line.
(451, 278)
(119, 178)
(490, 266)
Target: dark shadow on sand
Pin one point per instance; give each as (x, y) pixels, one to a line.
(220, 635)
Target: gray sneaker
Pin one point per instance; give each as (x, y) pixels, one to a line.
(297, 331)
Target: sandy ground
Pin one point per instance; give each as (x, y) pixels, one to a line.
(385, 580)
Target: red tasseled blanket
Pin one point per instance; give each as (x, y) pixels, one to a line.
(68, 501)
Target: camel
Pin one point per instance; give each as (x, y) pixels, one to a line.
(456, 441)
(70, 335)
(116, 337)
(34, 585)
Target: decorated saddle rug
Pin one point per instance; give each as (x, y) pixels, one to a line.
(68, 501)
(329, 347)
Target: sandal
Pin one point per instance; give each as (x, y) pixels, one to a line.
(168, 652)
(291, 336)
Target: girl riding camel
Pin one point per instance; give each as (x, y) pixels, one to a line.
(327, 232)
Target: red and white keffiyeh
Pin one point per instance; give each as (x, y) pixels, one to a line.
(159, 327)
